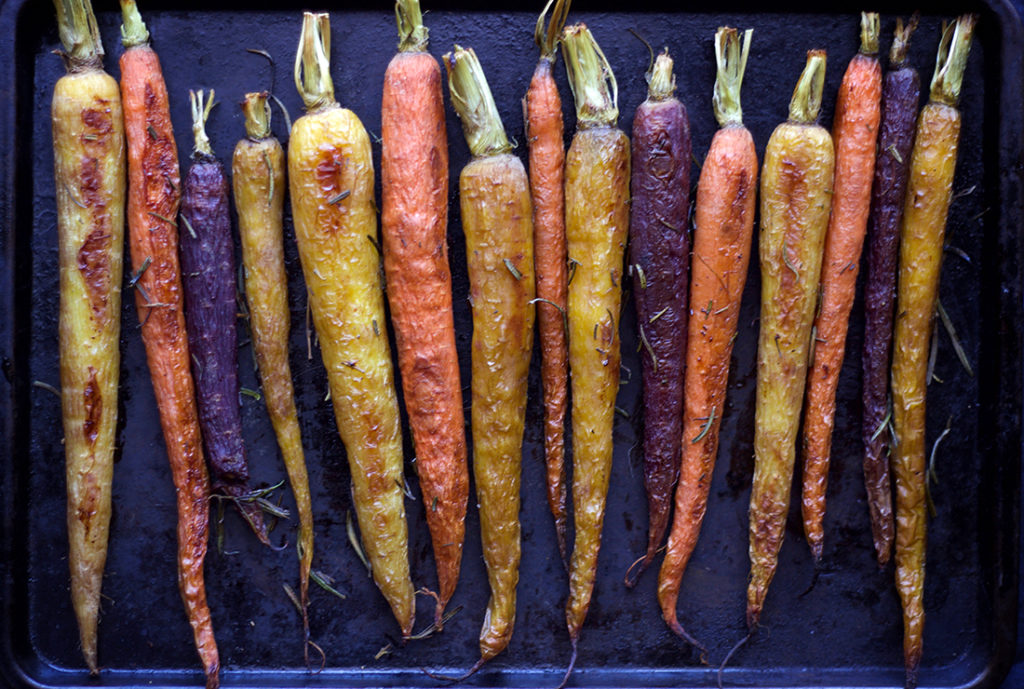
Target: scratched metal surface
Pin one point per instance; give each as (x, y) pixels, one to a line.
(842, 631)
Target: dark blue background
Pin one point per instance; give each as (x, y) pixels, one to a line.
(1016, 676)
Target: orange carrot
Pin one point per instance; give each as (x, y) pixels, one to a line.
(855, 130)
(154, 193)
(726, 195)
(544, 131)
(414, 224)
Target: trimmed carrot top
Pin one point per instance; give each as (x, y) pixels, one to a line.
(901, 40)
(731, 55)
(661, 85)
(472, 100)
(133, 29)
(590, 76)
(412, 35)
(257, 115)
(313, 62)
(806, 102)
(200, 113)
(548, 40)
(869, 28)
(83, 48)
(952, 60)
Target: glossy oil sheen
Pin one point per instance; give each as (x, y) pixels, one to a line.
(497, 217)
(89, 159)
(929, 192)
(796, 185)
(328, 155)
(846, 631)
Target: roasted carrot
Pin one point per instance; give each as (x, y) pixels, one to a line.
(901, 91)
(208, 266)
(929, 193)
(330, 173)
(258, 181)
(89, 173)
(796, 186)
(414, 224)
(596, 223)
(724, 219)
(154, 194)
(497, 218)
(854, 131)
(659, 258)
(544, 133)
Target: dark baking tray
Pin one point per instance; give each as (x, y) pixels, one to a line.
(839, 627)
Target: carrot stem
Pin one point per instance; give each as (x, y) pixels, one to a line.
(475, 105)
(591, 79)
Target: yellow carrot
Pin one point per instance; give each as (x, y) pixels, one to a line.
(89, 171)
(330, 173)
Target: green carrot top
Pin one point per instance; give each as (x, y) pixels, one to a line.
(133, 29)
(952, 60)
(731, 57)
(79, 34)
(806, 102)
(412, 35)
(472, 100)
(869, 29)
(547, 40)
(313, 62)
(257, 115)
(200, 113)
(591, 79)
(901, 41)
(661, 84)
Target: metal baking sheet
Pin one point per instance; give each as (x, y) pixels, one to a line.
(838, 627)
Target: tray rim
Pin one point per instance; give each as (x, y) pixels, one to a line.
(19, 666)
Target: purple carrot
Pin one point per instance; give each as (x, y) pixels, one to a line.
(659, 261)
(901, 92)
(208, 268)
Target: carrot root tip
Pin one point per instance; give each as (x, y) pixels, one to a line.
(685, 636)
(810, 587)
(450, 679)
(563, 548)
(572, 665)
(911, 680)
(323, 656)
(630, 580)
(732, 651)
